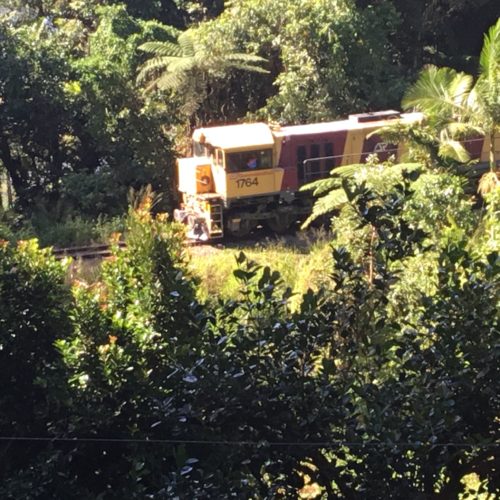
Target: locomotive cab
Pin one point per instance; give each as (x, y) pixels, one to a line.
(242, 159)
(230, 166)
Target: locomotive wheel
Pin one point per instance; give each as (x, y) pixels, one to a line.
(242, 229)
(280, 223)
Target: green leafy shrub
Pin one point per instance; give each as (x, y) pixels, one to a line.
(34, 304)
(345, 395)
(486, 239)
(132, 331)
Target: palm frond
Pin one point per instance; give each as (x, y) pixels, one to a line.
(488, 183)
(460, 88)
(393, 134)
(438, 92)
(488, 84)
(489, 60)
(453, 149)
(463, 129)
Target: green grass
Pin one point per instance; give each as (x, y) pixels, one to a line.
(303, 263)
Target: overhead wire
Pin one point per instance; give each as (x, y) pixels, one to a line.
(260, 443)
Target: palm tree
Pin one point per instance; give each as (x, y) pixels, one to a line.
(456, 105)
(188, 66)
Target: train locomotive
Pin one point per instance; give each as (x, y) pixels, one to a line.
(245, 175)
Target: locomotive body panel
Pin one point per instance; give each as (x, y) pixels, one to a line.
(195, 175)
(486, 148)
(253, 183)
(474, 147)
(321, 153)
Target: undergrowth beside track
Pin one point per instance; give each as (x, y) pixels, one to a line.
(304, 262)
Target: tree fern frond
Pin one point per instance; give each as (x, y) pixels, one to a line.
(153, 65)
(169, 81)
(207, 62)
(180, 65)
(326, 204)
(249, 67)
(311, 186)
(161, 49)
(322, 186)
(346, 171)
(187, 44)
(246, 62)
(407, 167)
(244, 56)
(329, 185)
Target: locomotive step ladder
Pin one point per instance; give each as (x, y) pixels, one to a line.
(216, 219)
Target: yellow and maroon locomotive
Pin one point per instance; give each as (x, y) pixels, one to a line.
(242, 176)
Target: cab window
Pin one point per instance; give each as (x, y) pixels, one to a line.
(219, 157)
(249, 160)
(199, 149)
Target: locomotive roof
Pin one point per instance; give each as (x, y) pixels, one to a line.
(241, 136)
(260, 135)
(349, 124)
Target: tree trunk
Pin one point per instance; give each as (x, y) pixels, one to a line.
(14, 168)
(492, 151)
(10, 194)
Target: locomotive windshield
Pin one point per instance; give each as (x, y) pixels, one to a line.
(249, 160)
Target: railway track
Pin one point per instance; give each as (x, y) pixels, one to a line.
(292, 238)
(94, 252)
(88, 252)
(100, 251)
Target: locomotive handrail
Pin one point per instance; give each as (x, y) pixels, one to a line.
(323, 173)
(319, 158)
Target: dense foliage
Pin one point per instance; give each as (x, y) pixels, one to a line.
(374, 386)
(75, 133)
